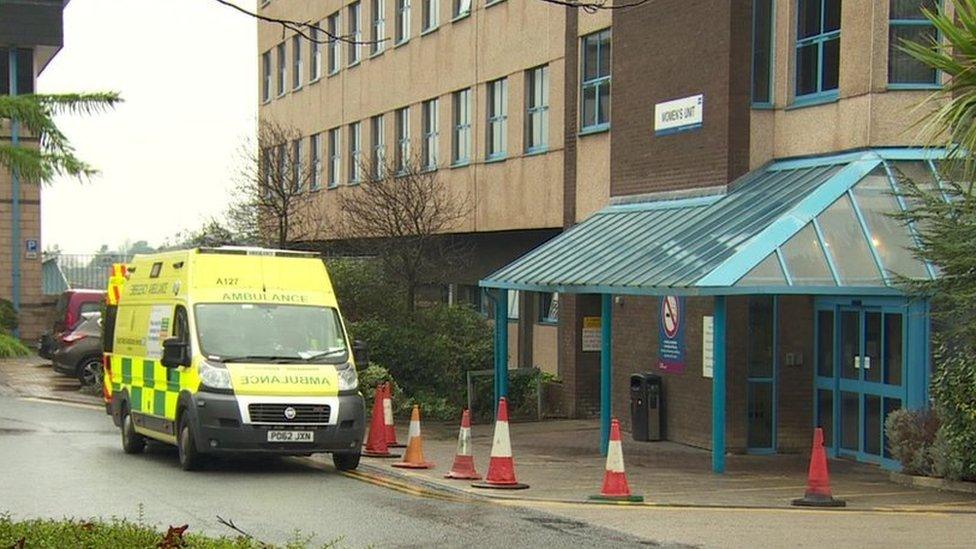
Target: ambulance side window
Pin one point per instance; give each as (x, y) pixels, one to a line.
(181, 325)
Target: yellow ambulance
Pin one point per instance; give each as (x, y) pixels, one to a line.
(231, 350)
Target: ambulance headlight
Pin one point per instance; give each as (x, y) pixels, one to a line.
(348, 379)
(213, 376)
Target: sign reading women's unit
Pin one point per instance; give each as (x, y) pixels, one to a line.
(671, 335)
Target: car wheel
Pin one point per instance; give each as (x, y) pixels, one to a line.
(90, 372)
(346, 461)
(132, 442)
(190, 458)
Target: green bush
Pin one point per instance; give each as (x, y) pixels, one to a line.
(8, 317)
(12, 347)
(954, 393)
(363, 290)
(911, 439)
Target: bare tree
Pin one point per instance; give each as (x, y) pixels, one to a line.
(274, 206)
(404, 214)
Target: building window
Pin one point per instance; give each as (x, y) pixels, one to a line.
(296, 62)
(315, 152)
(513, 304)
(355, 153)
(333, 43)
(266, 76)
(762, 51)
(430, 134)
(377, 38)
(296, 165)
(497, 117)
(549, 308)
(378, 160)
(595, 111)
(316, 69)
(403, 139)
(355, 32)
(430, 14)
(909, 23)
(817, 48)
(461, 142)
(402, 21)
(282, 68)
(461, 8)
(334, 158)
(537, 108)
(280, 184)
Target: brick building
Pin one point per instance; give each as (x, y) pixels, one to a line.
(30, 36)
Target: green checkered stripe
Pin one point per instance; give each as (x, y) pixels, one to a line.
(153, 389)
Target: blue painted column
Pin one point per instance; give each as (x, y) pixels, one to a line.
(718, 387)
(606, 365)
(15, 240)
(501, 344)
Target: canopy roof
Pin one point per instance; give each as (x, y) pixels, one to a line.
(807, 226)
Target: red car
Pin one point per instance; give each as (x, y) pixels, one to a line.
(70, 307)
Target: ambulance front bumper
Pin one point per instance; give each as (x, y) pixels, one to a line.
(223, 424)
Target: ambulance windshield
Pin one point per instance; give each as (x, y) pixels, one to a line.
(254, 331)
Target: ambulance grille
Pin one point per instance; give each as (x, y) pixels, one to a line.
(275, 413)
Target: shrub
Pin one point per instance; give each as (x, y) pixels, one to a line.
(12, 347)
(363, 290)
(8, 317)
(911, 439)
(954, 393)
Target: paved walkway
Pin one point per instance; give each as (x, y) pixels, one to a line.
(33, 377)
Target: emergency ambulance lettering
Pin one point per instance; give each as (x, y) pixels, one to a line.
(286, 380)
(228, 281)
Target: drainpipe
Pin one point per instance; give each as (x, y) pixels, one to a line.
(15, 190)
(606, 362)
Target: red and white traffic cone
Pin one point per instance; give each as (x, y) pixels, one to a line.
(501, 467)
(464, 462)
(615, 487)
(391, 440)
(376, 439)
(414, 457)
(818, 479)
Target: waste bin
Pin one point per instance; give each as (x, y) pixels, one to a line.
(646, 407)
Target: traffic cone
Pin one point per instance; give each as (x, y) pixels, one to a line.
(818, 479)
(391, 440)
(376, 439)
(463, 461)
(501, 466)
(615, 487)
(414, 458)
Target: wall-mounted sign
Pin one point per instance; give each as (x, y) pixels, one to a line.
(678, 115)
(31, 248)
(708, 346)
(671, 335)
(592, 335)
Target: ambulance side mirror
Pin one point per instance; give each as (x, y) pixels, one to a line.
(360, 353)
(176, 353)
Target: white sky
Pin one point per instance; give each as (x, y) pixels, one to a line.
(187, 70)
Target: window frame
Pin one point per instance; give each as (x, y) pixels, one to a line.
(596, 82)
(315, 154)
(771, 68)
(378, 139)
(461, 129)
(355, 33)
(820, 39)
(496, 120)
(297, 62)
(377, 27)
(315, 63)
(430, 18)
(457, 13)
(296, 165)
(266, 76)
(429, 111)
(532, 110)
(402, 120)
(543, 312)
(402, 31)
(923, 22)
(335, 158)
(333, 21)
(282, 72)
(355, 153)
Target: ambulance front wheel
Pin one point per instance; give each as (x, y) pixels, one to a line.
(190, 458)
(132, 442)
(346, 461)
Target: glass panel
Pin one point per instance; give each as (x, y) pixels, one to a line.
(806, 69)
(846, 244)
(589, 106)
(849, 420)
(604, 115)
(872, 424)
(591, 50)
(902, 67)
(831, 65)
(760, 430)
(761, 49)
(871, 361)
(805, 260)
(831, 15)
(889, 237)
(912, 9)
(890, 405)
(918, 172)
(825, 415)
(825, 343)
(604, 53)
(850, 344)
(767, 273)
(760, 334)
(893, 357)
(808, 18)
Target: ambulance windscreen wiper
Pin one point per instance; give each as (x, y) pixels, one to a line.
(251, 358)
(313, 355)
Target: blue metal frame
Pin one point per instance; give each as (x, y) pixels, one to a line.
(718, 387)
(892, 23)
(15, 238)
(819, 40)
(594, 82)
(912, 229)
(500, 300)
(606, 370)
(773, 380)
(772, 56)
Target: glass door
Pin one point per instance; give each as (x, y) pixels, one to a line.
(761, 375)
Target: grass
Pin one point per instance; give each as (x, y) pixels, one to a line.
(12, 347)
(97, 533)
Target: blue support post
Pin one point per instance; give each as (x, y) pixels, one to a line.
(606, 363)
(501, 344)
(718, 387)
(15, 244)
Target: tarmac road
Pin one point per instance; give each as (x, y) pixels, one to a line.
(62, 460)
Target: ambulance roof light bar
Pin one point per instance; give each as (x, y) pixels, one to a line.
(254, 250)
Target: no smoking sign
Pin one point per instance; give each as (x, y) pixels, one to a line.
(671, 335)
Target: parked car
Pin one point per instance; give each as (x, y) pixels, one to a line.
(71, 305)
(80, 352)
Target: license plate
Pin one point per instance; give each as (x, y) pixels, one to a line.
(291, 436)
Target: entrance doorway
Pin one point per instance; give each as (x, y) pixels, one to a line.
(761, 375)
(861, 371)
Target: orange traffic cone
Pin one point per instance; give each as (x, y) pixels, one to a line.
(818, 479)
(414, 458)
(391, 440)
(463, 461)
(501, 467)
(376, 439)
(615, 487)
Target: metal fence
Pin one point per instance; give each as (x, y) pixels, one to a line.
(79, 271)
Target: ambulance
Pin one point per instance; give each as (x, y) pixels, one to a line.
(231, 350)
